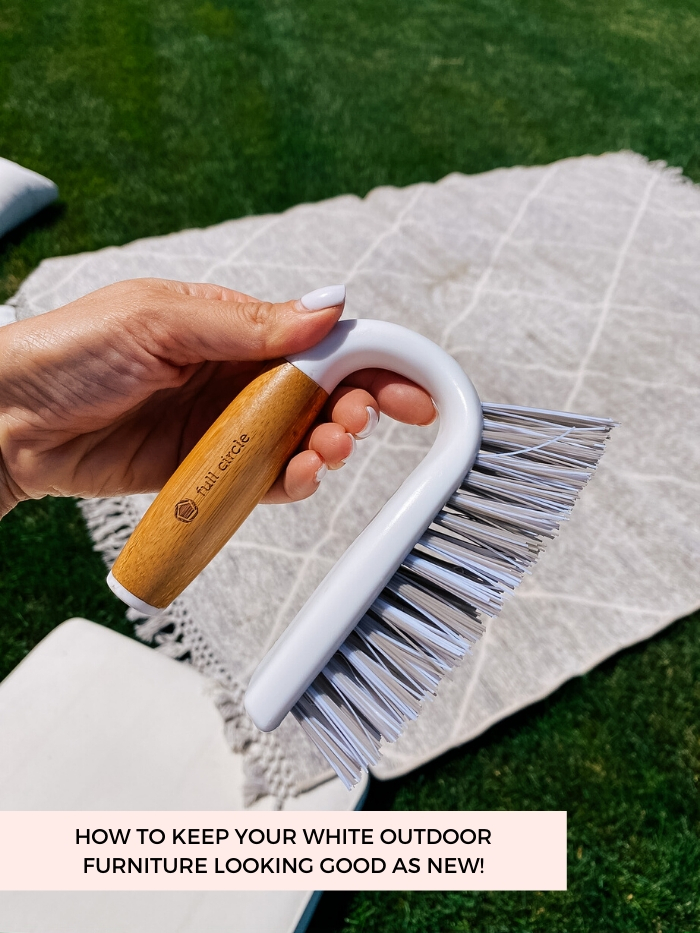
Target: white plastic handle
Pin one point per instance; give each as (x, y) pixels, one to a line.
(353, 584)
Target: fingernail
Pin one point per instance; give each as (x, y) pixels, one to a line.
(321, 472)
(433, 419)
(354, 445)
(372, 421)
(327, 297)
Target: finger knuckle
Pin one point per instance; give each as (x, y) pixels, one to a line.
(259, 314)
(257, 318)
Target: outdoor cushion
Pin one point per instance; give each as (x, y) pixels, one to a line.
(22, 193)
(91, 720)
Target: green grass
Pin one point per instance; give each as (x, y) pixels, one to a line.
(154, 115)
(49, 573)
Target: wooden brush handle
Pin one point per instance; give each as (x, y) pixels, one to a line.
(218, 484)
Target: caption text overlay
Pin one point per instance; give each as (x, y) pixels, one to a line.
(283, 851)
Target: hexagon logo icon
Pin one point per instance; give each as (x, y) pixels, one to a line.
(186, 510)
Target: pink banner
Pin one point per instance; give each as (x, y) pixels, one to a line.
(264, 851)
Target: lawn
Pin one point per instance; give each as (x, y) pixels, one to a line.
(155, 115)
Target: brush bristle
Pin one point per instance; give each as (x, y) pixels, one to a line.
(524, 483)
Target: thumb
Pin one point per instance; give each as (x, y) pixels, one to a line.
(219, 324)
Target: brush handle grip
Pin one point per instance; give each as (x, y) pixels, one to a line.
(216, 486)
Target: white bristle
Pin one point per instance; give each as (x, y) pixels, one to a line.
(524, 483)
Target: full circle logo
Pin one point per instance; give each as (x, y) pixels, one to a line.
(186, 510)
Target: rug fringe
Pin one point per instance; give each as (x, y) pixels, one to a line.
(173, 633)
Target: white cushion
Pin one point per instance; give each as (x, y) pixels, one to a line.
(22, 193)
(91, 720)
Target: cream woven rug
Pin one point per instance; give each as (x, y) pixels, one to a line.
(572, 286)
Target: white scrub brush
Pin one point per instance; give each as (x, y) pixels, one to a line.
(408, 598)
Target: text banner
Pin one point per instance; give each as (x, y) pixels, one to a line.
(283, 851)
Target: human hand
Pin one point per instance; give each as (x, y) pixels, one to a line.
(107, 395)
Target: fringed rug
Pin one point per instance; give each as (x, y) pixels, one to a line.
(569, 286)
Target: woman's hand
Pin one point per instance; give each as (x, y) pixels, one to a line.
(108, 394)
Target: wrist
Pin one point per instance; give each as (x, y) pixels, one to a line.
(10, 494)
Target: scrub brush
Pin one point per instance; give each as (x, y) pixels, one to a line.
(409, 597)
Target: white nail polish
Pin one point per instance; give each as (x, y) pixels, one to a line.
(372, 421)
(321, 472)
(354, 447)
(327, 297)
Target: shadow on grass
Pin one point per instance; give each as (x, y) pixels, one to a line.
(43, 220)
